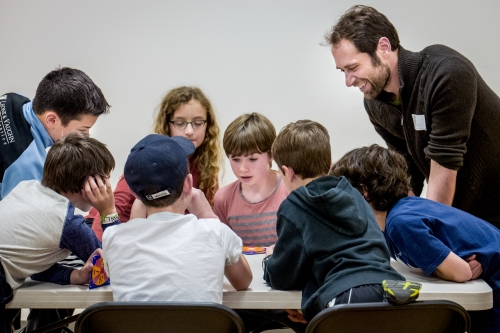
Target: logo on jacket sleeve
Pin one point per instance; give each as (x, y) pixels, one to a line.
(6, 135)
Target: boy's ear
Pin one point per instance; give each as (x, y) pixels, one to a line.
(52, 124)
(364, 191)
(288, 173)
(188, 184)
(50, 119)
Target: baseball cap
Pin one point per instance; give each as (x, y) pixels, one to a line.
(158, 162)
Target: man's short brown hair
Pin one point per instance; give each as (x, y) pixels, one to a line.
(248, 134)
(363, 26)
(72, 159)
(382, 171)
(303, 146)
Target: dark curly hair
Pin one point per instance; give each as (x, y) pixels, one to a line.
(382, 171)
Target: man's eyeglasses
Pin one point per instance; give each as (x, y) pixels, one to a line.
(197, 124)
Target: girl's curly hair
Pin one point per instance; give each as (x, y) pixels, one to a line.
(208, 156)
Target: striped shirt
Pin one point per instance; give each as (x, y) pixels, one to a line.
(255, 223)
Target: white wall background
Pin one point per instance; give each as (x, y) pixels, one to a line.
(259, 55)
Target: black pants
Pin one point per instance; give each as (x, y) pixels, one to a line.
(7, 316)
(487, 321)
(262, 320)
(368, 293)
(42, 317)
(7, 319)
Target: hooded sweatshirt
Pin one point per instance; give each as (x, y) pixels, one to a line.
(328, 242)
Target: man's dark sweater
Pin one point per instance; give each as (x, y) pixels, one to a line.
(328, 242)
(450, 115)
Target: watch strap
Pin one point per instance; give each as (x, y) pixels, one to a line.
(111, 218)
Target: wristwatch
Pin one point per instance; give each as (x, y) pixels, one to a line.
(111, 218)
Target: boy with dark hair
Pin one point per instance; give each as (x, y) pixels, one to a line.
(249, 204)
(170, 256)
(439, 239)
(38, 224)
(66, 101)
(329, 244)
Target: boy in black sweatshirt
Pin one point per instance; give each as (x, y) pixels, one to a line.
(329, 244)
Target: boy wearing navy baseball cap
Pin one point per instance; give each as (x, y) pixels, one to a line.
(171, 256)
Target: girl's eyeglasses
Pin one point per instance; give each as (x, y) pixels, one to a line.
(197, 124)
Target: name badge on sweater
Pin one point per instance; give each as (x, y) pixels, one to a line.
(419, 122)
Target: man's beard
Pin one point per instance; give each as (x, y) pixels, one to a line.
(379, 80)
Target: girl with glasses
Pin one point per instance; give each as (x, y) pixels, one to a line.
(184, 111)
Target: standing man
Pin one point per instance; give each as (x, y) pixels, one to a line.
(431, 106)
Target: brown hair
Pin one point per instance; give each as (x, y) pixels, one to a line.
(71, 94)
(363, 26)
(207, 156)
(382, 171)
(249, 133)
(74, 158)
(303, 146)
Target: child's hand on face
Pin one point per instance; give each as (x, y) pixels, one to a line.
(82, 275)
(98, 192)
(199, 205)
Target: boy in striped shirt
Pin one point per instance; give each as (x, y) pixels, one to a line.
(249, 204)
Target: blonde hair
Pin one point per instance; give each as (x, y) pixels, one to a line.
(249, 133)
(207, 156)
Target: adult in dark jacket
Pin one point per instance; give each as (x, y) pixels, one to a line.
(431, 106)
(329, 244)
